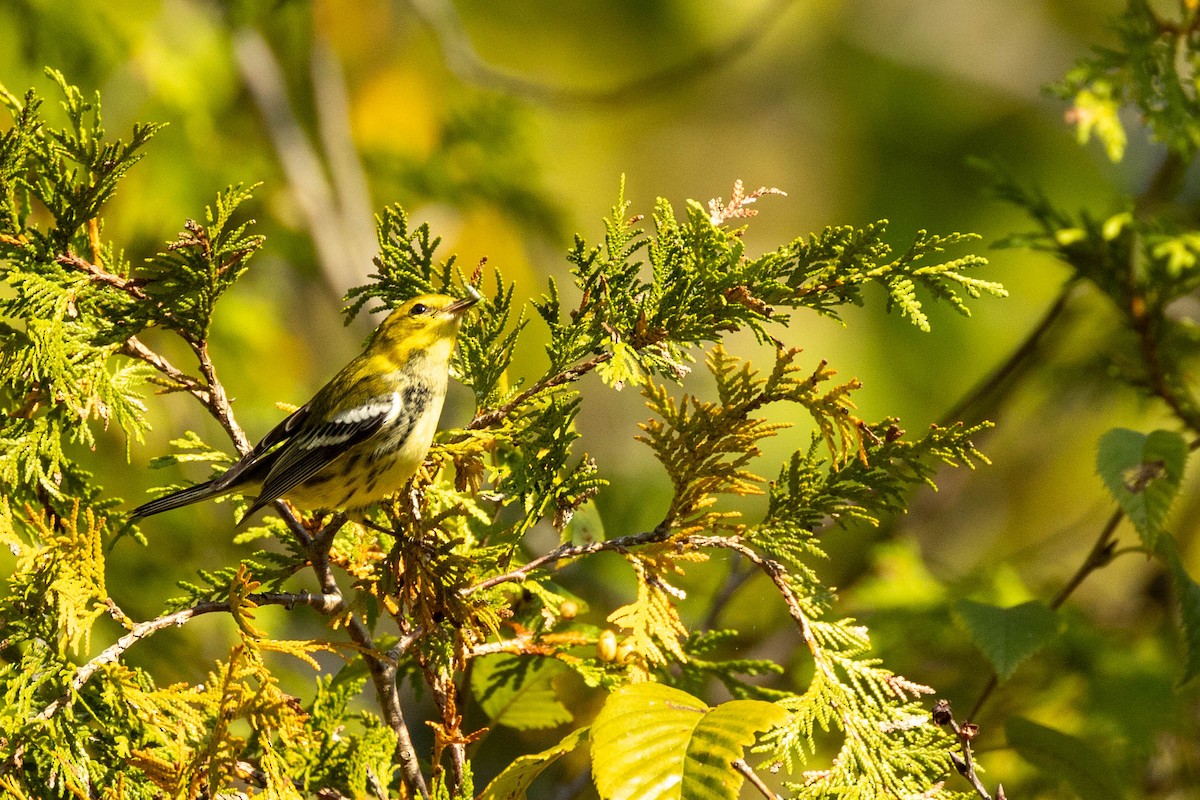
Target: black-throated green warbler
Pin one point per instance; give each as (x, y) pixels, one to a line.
(364, 433)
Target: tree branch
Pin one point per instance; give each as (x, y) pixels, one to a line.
(381, 668)
(463, 60)
(568, 552)
(134, 348)
(489, 418)
(218, 401)
(965, 765)
(758, 783)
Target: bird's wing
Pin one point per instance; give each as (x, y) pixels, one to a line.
(251, 467)
(306, 453)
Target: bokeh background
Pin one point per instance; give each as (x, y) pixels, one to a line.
(508, 127)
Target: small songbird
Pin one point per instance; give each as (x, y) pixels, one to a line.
(364, 433)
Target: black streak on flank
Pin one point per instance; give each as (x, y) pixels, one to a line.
(416, 399)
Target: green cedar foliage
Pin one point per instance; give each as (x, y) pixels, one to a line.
(443, 591)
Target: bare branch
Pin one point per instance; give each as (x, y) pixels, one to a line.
(100, 275)
(758, 783)
(118, 648)
(568, 552)
(462, 59)
(218, 401)
(134, 348)
(489, 418)
(381, 667)
(965, 764)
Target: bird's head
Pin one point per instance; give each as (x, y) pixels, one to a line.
(422, 323)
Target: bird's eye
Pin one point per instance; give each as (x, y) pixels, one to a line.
(419, 308)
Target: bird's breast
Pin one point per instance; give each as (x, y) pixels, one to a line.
(381, 465)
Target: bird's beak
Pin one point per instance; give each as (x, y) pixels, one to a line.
(460, 306)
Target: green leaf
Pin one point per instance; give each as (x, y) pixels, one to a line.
(1064, 756)
(1188, 592)
(519, 692)
(515, 780)
(1008, 636)
(654, 742)
(1143, 472)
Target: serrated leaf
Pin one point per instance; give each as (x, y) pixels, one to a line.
(1143, 473)
(519, 692)
(515, 780)
(1066, 757)
(1188, 593)
(654, 742)
(1008, 636)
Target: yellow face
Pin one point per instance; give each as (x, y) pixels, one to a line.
(422, 322)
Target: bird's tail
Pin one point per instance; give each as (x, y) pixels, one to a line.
(192, 494)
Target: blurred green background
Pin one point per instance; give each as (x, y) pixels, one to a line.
(509, 126)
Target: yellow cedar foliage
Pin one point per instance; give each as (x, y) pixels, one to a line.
(72, 560)
(655, 630)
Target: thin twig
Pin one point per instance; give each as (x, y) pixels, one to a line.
(100, 275)
(381, 668)
(134, 348)
(943, 715)
(489, 418)
(461, 58)
(757, 782)
(567, 552)
(1098, 556)
(285, 510)
(218, 401)
(114, 651)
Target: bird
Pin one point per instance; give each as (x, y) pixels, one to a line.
(363, 434)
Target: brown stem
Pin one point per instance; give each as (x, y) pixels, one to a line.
(758, 783)
(1098, 556)
(567, 552)
(134, 348)
(489, 418)
(381, 668)
(100, 275)
(965, 765)
(218, 401)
